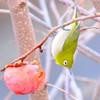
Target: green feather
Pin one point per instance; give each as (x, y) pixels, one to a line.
(70, 44)
(73, 35)
(72, 38)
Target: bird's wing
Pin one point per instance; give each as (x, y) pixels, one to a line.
(73, 36)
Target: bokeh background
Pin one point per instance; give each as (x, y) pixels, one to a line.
(83, 66)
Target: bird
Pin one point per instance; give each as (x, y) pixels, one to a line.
(65, 43)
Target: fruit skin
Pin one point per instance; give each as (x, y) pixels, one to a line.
(23, 79)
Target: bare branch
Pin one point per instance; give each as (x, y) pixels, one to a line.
(89, 52)
(86, 28)
(25, 38)
(81, 10)
(69, 22)
(4, 11)
(75, 89)
(32, 6)
(54, 9)
(48, 49)
(36, 19)
(84, 49)
(51, 32)
(82, 18)
(58, 83)
(9, 95)
(86, 80)
(96, 92)
(84, 37)
(62, 91)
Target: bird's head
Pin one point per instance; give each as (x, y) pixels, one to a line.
(66, 61)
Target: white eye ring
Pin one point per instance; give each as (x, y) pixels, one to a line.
(65, 62)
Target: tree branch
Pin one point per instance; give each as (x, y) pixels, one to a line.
(33, 17)
(96, 92)
(32, 6)
(54, 10)
(62, 91)
(58, 83)
(52, 32)
(86, 28)
(25, 37)
(85, 79)
(81, 10)
(48, 49)
(9, 95)
(89, 52)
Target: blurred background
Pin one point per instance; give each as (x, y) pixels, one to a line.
(83, 66)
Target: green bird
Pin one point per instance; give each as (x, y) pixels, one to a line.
(65, 43)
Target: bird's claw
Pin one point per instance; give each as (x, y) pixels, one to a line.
(64, 28)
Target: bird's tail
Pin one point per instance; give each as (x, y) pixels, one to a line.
(75, 16)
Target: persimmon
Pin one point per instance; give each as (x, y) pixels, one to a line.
(23, 78)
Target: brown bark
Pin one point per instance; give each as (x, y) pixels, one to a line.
(25, 38)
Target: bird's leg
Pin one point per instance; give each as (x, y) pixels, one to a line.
(64, 28)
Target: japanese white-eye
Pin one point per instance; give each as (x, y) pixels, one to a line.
(65, 43)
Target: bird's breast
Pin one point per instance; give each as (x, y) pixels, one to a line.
(58, 42)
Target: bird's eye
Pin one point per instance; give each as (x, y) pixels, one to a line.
(65, 62)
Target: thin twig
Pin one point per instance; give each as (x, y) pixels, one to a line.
(96, 93)
(4, 11)
(86, 80)
(58, 83)
(30, 51)
(75, 89)
(84, 37)
(32, 6)
(66, 13)
(9, 95)
(51, 32)
(81, 10)
(25, 39)
(36, 19)
(69, 22)
(86, 28)
(82, 18)
(67, 77)
(59, 80)
(54, 10)
(89, 52)
(48, 49)
(62, 91)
